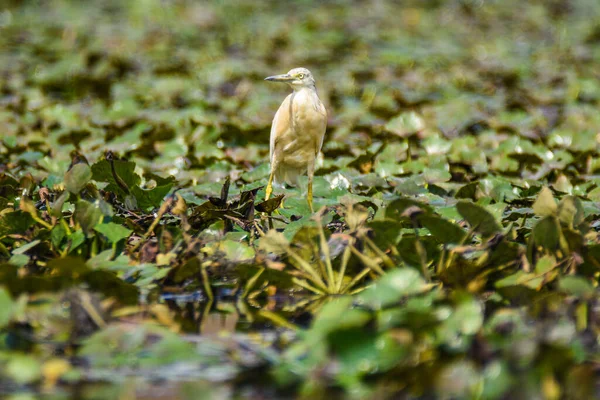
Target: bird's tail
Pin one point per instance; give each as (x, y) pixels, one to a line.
(288, 175)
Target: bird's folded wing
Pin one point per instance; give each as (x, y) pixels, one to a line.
(281, 123)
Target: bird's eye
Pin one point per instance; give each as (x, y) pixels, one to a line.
(300, 76)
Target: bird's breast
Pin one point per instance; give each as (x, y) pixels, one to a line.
(308, 113)
(300, 126)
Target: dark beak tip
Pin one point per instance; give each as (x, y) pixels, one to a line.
(278, 78)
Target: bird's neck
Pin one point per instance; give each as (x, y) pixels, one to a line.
(306, 95)
(299, 89)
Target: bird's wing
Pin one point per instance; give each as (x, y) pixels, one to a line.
(324, 129)
(281, 123)
(323, 116)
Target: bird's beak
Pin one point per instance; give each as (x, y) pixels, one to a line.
(280, 78)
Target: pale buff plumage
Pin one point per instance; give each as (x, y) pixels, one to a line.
(297, 131)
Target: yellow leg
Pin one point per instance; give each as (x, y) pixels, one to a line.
(309, 197)
(269, 188)
(309, 194)
(274, 164)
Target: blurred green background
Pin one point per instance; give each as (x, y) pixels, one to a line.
(173, 84)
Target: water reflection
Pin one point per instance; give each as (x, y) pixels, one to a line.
(240, 325)
(137, 389)
(227, 313)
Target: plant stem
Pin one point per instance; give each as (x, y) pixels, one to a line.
(327, 255)
(306, 286)
(386, 259)
(278, 320)
(206, 284)
(306, 267)
(367, 261)
(251, 282)
(342, 273)
(161, 211)
(356, 279)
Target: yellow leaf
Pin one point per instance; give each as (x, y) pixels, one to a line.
(165, 259)
(164, 317)
(53, 370)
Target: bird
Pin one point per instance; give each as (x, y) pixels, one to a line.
(297, 132)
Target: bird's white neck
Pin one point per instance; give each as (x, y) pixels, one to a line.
(311, 88)
(307, 95)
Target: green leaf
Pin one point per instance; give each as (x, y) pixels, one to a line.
(113, 232)
(468, 316)
(392, 287)
(576, 285)
(15, 222)
(234, 251)
(57, 206)
(443, 230)
(57, 234)
(20, 260)
(160, 181)
(395, 209)
(479, 218)
(125, 170)
(386, 233)
(545, 205)
(23, 369)
(270, 205)
(76, 239)
(465, 320)
(77, 177)
(147, 199)
(73, 267)
(274, 242)
(545, 264)
(546, 233)
(405, 124)
(338, 314)
(468, 191)
(7, 181)
(497, 380)
(107, 283)
(531, 281)
(361, 352)
(26, 247)
(570, 211)
(88, 215)
(512, 280)
(6, 307)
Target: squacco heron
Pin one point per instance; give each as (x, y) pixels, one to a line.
(297, 132)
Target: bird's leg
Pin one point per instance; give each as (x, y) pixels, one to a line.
(309, 194)
(269, 188)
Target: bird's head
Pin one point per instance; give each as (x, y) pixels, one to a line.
(297, 78)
